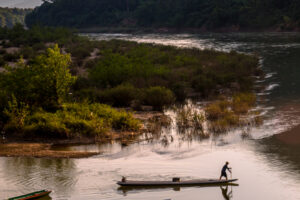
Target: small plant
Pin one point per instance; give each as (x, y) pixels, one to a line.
(16, 113)
(189, 117)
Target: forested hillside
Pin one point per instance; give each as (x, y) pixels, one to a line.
(11, 16)
(199, 14)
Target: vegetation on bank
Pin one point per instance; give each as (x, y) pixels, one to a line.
(34, 102)
(227, 113)
(178, 14)
(128, 73)
(47, 91)
(11, 16)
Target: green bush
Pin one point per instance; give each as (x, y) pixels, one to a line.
(8, 57)
(27, 52)
(158, 97)
(79, 52)
(122, 95)
(2, 61)
(75, 120)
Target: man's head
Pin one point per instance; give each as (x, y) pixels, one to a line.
(227, 162)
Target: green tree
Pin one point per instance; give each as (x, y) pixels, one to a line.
(56, 71)
(44, 83)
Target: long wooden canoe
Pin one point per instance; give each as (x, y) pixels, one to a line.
(33, 195)
(179, 183)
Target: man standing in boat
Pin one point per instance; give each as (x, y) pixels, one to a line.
(223, 172)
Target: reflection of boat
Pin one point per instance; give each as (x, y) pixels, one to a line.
(33, 195)
(199, 182)
(126, 189)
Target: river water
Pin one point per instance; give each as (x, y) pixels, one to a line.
(266, 161)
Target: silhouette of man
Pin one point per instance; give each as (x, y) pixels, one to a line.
(223, 172)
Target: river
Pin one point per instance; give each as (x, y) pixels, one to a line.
(266, 161)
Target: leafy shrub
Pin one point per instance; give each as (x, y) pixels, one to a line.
(79, 52)
(79, 120)
(27, 52)
(11, 57)
(16, 112)
(46, 82)
(158, 97)
(121, 95)
(2, 61)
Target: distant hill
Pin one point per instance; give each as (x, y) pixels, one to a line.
(20, 3)
(176, 14)
(12, 16)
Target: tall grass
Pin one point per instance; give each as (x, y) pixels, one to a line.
(226, 114)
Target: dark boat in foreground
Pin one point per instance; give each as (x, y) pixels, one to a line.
(33, 195)
(176, 182)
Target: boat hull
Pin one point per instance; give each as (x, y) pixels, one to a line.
(34, 195)
(179, 183)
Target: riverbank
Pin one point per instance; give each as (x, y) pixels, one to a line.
(165, 30)
(39, 150)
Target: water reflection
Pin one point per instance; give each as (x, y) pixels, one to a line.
(225, 191)
(226, 194)
(45, 198)
(31, 174)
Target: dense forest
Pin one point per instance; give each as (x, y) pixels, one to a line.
(177, 14)
(11, 16)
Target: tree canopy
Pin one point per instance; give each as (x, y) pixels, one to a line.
(11, 16)
(243, 14)
(45, 82)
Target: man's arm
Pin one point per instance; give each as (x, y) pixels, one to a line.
(229, 169)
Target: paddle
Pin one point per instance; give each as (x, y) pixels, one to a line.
(231, 178)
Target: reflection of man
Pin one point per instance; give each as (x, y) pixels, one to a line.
(223, 172)
(224, 193)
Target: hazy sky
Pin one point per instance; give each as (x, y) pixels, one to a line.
(20, 3)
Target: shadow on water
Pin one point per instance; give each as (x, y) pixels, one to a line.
(45, 198)
(284, 147)
(226, 192)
